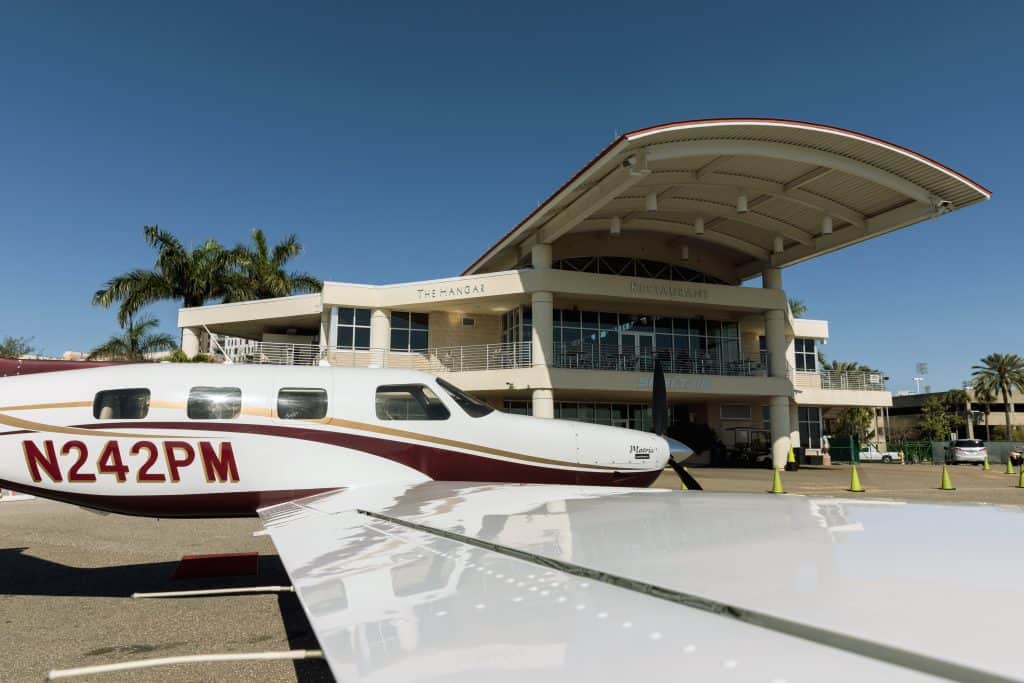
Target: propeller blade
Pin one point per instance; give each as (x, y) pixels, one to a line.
(659, 402)
(687, 478)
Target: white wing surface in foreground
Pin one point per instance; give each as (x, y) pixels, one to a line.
(450, 581)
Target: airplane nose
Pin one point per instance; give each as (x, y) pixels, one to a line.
(678, 450)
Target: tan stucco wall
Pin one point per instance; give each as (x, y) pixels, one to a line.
(446, 329)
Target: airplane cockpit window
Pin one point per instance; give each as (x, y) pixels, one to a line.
(302, 404)
(409, 402)
(214, 403)
(473, 406)
(121, 404)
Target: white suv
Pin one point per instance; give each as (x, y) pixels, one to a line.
(966, 450)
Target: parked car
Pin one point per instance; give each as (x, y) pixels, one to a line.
(870, 453)
(966, 450)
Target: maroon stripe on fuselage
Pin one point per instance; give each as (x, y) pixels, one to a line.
(439, 464)
(197, 505)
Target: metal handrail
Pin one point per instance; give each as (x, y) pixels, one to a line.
(856, 380)
(438, 359)
(595, 357)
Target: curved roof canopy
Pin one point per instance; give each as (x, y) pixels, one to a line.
(762, 192)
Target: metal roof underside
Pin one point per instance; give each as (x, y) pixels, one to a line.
(796, 178)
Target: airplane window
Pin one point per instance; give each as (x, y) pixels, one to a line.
(473, 406)
(121, 404)
(409, 402)
(214, 403)
(302, 404)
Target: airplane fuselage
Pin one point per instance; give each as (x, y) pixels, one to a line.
(208, 440)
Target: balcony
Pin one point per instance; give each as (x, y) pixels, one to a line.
(487, 357)
(591, 357)
(856, 380)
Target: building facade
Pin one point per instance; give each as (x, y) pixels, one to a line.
(640, 257)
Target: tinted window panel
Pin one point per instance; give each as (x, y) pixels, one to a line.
(121, 404)
(302, 404)
(473, 407)
(409, 402)
(362, 338)
(214, 403)
(418, 341)
(362, 316)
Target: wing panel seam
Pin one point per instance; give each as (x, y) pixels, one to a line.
(821, 636)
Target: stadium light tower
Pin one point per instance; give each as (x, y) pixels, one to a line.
(922, 370)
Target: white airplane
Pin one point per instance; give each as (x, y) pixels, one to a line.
(175, 440)
(409, 572)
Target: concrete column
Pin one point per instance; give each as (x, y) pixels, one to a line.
(190, 341)
(794, 426)
(779, 410)
(771, 278)
(540, 256)
(543, 328)
(380, 336)
(325, 330)
(970, 419)
(775, 340)
(543, 403)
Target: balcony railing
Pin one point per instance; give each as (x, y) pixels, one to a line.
(265, 353)
(438, 359)
(592, 357)
(856, 380)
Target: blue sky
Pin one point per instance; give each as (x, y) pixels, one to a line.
(440, 125)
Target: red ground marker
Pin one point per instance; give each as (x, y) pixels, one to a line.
(228, 564)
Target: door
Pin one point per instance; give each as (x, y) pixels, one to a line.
(637, 350)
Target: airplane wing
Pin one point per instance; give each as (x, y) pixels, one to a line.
(458, 581)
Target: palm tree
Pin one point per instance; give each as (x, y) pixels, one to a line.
(135, 342)
(1002, 372)
(261, 270)
(192, 275)
(985, 394)
(798, 308)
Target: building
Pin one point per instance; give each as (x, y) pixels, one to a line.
(905, 416)
(641, 255)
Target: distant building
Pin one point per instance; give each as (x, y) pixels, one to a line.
(905, 416)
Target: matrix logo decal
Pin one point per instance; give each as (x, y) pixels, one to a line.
(641, 452)
(218, 463)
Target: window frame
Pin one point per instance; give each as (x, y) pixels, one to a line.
(234, 391)
(97, 408)
(809, 359)
(408, 329)
(354, 326)
(319, 390)
(423, 401)
(476, 408)
(747, 418)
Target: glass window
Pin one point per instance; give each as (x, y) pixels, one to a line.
(409, 402)
(214, 403)
(809, 423)
(121, 404)
(735, 411)
(353, 328)
(409, 331)
(806, 359)
(473, 406)
(302, 404)
(519, 407)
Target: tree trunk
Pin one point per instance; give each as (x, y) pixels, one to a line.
(1007, 412)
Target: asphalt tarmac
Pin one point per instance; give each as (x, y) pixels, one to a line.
(66, 577)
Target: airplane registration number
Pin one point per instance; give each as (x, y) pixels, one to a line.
(149, 461)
